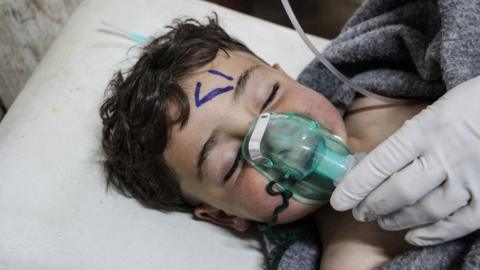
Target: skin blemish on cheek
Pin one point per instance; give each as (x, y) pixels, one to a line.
(212, 93)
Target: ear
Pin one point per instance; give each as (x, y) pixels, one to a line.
(219, 217)
(278, 67)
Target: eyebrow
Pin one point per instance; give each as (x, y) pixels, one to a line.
(212, 139)
(243, 80)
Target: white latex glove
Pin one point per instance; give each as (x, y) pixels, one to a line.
(426, 176)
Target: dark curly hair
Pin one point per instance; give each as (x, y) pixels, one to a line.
(137, 116)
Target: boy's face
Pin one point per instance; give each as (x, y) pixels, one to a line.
(225, 96)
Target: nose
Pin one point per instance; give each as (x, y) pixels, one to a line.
(279, 142)
(237, 124)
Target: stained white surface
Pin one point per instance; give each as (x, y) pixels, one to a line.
(54, 210)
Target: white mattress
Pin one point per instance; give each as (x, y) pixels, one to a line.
(54, 210)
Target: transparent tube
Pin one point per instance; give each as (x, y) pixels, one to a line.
(122, 32)
(328, 65)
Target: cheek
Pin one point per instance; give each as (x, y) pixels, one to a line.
(253, 200)
(319, 108)
(256, 204)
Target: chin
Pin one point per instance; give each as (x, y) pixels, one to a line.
(296, 211)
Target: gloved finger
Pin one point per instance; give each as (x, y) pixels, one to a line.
(461, 223)
(393, 154)
(437, 205)
(402, 189)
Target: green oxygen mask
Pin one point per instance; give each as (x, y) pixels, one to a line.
(298, 154)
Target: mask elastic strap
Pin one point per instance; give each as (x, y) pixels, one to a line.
(286, 195)
(282, 239)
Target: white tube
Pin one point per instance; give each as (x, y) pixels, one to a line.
(115, 28)
(328, 65)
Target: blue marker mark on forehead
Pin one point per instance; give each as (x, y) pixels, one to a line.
(218, 73)
(212, 93)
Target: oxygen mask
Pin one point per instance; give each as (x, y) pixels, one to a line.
(299, 154)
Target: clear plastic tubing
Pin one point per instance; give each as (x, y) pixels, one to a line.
(328, 65)
(130, 35)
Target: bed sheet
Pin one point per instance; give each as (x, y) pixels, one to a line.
(55, 211)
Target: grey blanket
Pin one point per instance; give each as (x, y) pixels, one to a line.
(407, 49)
(402, 48)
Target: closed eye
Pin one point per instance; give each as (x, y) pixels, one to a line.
(230, 172)
(272, 95)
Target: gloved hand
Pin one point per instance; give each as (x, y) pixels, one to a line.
(426, 176)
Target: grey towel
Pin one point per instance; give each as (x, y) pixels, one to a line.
(407, 49)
